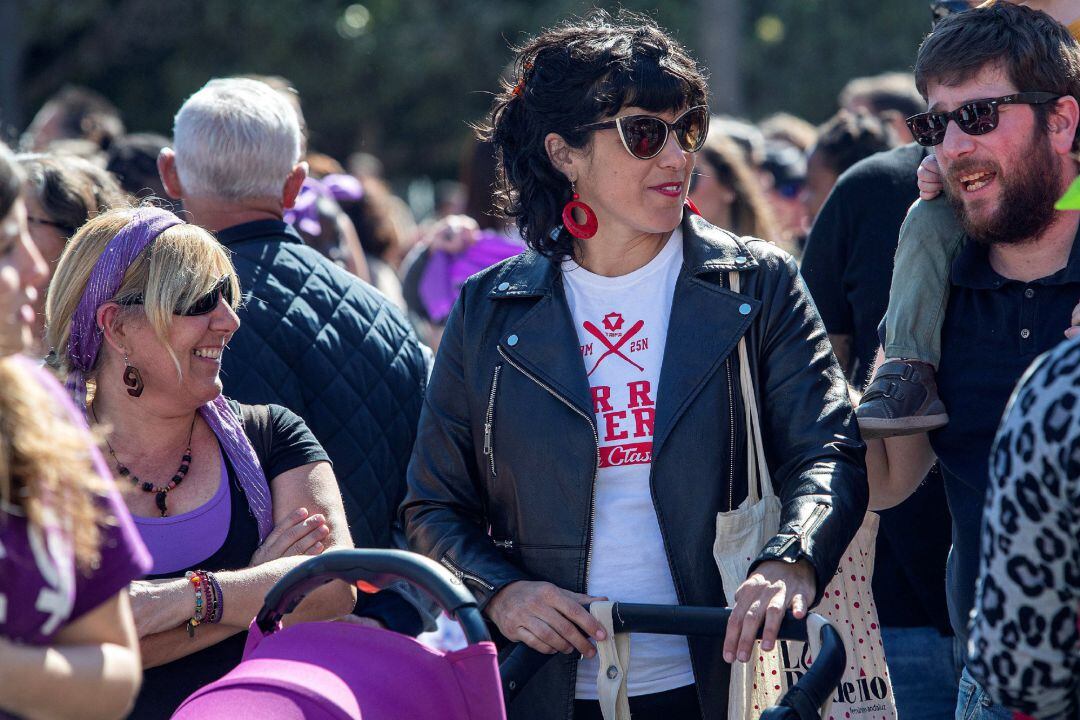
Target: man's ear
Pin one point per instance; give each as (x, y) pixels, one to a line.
(293, 183)
(563, 157)
(170, 178)
(1063, 123)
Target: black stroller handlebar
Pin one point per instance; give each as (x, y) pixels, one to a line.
(380, 568)
(803, 701)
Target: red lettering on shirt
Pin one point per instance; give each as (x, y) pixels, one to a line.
(601, 399)
(631, 454)
(643, 421)
(639, 393)
(611, 426)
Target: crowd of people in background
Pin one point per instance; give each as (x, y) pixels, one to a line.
(262, 382)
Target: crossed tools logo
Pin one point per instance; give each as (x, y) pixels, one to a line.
(614, 339)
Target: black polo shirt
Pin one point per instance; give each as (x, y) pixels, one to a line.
(848, 267)
(994, 329)
(848, 262)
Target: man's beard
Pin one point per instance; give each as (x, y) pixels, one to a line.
(1026, 206)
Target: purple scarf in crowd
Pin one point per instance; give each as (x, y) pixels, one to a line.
(105, 279)
(304, 214)
(445, 273)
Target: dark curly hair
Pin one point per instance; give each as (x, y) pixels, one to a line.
(574, 74)
(71, 190)
(848, 137)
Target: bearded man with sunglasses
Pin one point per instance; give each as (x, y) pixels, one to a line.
(1002, 83)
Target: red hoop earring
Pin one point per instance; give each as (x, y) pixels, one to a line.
(582, 231)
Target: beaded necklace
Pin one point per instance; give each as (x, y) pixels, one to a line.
(161, 493)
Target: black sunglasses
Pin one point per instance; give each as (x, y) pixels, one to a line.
(977, 117)
(203, 305)
(65, 230)
(644, 136)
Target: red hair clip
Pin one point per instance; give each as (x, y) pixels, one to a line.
(519, 89)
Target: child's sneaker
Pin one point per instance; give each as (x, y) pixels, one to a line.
(902, 399)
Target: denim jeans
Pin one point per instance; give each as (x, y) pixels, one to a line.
(930, 239)
(974, 704)
(923, 672)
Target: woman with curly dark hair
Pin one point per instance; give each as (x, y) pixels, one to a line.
(583, 428)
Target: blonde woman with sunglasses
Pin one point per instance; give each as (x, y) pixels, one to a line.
(227, 497)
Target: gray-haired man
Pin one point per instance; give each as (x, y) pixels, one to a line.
(312, 337)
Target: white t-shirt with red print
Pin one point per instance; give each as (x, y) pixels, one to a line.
(622, 327)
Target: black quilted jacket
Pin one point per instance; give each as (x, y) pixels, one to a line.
(336, 352)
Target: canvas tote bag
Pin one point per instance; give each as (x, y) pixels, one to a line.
(848, 602)
(740, 535)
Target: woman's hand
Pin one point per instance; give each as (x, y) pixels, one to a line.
(160, 605)
(931, 183)
(774, 587)
(297, 534)
(545, 617)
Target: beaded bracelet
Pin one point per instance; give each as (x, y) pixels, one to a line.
(196, 580)
(219, 599)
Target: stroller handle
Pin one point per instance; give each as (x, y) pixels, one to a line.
(379, 568)
(803, 701)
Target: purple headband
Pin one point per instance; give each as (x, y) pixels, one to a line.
(105, 279)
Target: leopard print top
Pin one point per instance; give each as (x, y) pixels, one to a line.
(1024, 640)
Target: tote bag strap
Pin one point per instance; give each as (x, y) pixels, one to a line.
(757, 470)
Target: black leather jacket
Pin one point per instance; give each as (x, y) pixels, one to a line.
(501, 482)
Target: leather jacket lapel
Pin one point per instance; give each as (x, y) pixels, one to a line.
(706, 322)
(544, 343)
(707, 319)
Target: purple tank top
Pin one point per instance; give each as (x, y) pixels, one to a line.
(181, 541)
(41, 589)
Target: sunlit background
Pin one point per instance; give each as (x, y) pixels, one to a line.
(402, 79)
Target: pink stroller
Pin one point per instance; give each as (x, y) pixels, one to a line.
(341, 671)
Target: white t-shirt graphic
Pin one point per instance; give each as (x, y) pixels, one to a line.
(622, 327)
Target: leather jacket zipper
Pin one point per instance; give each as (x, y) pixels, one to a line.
(596, 467)
(489, 420)
(509, 545)
(731, 410)
(808, 527)
(462, 574)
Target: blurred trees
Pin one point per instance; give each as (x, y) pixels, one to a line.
(402, 78)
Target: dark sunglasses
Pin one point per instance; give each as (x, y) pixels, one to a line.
(644, 136)
(977, 117)
(65, 230)
(203, 305)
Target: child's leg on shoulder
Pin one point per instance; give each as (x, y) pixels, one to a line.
(930, 239)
